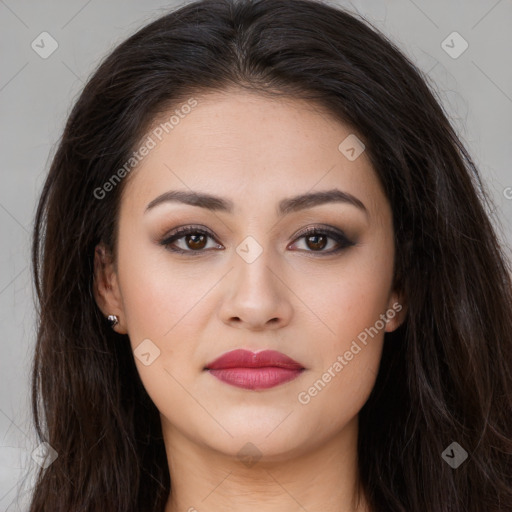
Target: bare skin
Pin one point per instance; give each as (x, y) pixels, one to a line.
(287, 448)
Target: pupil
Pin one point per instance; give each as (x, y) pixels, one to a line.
(195, 241)
(322, 245)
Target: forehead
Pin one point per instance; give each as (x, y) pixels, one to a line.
(238, 142)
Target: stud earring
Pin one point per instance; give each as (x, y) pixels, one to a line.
(112, 320)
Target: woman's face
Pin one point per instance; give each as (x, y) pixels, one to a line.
(255, 281)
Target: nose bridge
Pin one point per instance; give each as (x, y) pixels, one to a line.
(253, 263)
(257, 259)
(256, 297)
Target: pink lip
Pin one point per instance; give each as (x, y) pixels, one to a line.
(249, 370)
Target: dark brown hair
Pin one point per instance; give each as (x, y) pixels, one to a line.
(445, 373)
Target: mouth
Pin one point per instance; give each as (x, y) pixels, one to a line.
(249, 370)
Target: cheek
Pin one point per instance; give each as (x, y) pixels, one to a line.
(169, 304)
(354, 294)
(356, 304)
(350, 346)
(161, 306)
(353, 327)
(156, 293)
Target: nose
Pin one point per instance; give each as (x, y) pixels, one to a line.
(256, 296)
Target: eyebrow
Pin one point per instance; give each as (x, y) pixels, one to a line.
(285, 206)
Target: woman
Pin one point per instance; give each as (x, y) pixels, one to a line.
(267, 277)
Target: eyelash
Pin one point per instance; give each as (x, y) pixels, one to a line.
(179, 233)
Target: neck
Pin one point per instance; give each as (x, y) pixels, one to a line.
(325, 477)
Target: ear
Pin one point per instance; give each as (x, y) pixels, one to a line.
(396, 312)
(106, 287)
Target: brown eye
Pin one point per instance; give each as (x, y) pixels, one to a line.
(195, 241)
(192, 240)
(316, 239)
(316, 242)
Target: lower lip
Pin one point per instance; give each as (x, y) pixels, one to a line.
(256, 378)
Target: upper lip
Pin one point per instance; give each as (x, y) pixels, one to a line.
(241, 358)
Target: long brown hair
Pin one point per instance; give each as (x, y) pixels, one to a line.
(445, 374)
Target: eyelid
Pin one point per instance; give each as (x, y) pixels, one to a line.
(335, 234)
(181, 232)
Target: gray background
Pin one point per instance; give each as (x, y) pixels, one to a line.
(36, 95)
